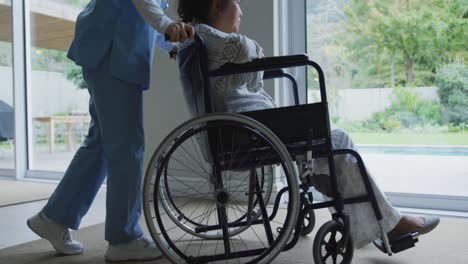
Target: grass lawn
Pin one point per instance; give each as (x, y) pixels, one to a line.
(458, 139)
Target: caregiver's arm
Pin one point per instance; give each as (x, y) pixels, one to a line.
(153, 14)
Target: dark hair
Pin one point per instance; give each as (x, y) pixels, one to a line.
(197, 10)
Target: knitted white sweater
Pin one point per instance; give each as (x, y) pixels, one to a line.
(240, 92)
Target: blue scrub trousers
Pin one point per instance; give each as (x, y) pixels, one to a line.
(114, 147)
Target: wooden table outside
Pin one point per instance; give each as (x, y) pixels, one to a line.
(68, 121)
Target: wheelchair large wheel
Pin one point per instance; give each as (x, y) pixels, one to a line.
(328, 245)
(265, 177)
(200, 209)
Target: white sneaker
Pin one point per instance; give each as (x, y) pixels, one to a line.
(142, 248)
(56, 234)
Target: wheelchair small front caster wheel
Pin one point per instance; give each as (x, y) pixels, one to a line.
(328, 245)
(309, 222)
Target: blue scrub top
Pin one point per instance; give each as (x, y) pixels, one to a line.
(117, 26)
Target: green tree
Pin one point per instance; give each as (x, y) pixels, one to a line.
(324, 17)
(6, 54)
(78, 3)
(413, 35)
(48, 60)
(57, 61)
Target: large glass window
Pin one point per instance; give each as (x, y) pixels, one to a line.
(397, 82)
(6, 91)
(59, 104)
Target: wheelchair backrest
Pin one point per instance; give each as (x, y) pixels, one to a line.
(193, 68)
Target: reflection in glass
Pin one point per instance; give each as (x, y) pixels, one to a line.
(396, 78)
(6, 91)
(59, 105)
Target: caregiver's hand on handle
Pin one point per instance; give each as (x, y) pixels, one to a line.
(179, 32)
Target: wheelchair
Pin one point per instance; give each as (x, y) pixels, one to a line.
(234, 188)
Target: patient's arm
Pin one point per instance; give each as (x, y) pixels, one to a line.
(248, 51)
(232, 48)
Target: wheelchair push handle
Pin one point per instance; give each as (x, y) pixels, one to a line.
(167, 37)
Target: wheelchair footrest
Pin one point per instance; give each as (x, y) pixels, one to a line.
(402, 243)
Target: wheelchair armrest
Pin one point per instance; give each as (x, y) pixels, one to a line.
(274, 74)
(270, 64)
(263, 64)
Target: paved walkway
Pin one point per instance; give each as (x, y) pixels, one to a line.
(427, 174)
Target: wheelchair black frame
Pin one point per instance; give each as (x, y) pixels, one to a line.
(273, 69)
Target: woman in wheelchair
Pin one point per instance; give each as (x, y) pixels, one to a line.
(217, 22)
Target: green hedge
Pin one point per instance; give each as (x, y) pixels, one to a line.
(452, 80)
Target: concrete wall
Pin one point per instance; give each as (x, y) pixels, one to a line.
(360, 104)
(53, 93)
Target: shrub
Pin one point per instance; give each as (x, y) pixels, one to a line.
(413, 111)
(386, 121)
(452, 81)
(74, 74)
(391, 124)
(455, 115)
(458, 128)
(353, 126)
(408, 119)
(408, 111)
(405, 99)
(429, 112)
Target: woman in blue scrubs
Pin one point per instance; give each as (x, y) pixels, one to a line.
(114, 42)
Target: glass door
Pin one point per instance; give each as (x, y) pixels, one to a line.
(59, 102)
(397, 82)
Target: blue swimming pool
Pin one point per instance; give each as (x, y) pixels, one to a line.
(414, 150)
